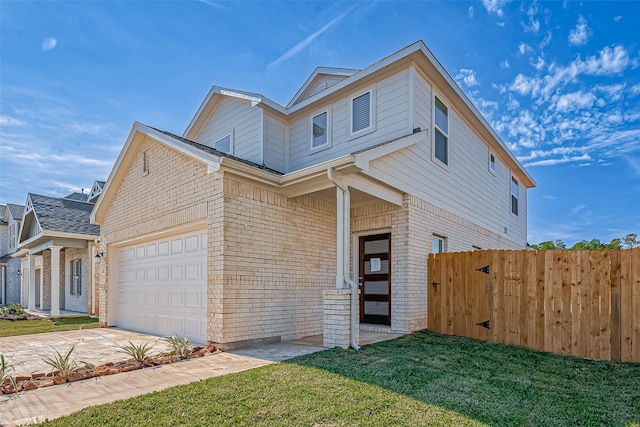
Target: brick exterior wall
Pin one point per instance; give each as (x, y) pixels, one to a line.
(13, 280)
(337, 315)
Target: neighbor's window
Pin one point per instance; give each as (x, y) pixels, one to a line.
(361, 112)
(441, 134)
(492, 163)
(223, 144)
(320, 130)
(438, 244)
(514, 195)
(75, 277)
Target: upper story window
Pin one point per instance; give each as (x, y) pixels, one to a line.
(320, 131)
(438, 244)
(441, 133)
(361, 108)
(224, 144)
(514, 196)
(492, 162)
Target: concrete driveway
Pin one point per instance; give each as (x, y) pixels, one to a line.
(95, 346)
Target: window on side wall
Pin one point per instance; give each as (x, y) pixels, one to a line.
(75, 277)
(441, 132)
(320, 131)
(514, 196)
(438, 244)
(145, 163)
(492, 163)
(224, 144)
(361, 113)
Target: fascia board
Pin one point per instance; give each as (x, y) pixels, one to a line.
(373, 188)
(311, 171)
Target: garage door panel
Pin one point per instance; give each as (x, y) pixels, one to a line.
(162, 286)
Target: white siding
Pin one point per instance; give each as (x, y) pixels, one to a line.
(392, 111)
(314, 87)
(466, 187)
(274, 131)
(243, 122)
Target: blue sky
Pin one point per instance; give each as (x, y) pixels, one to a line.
(559, 81)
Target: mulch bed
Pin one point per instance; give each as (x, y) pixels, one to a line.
(40, 380)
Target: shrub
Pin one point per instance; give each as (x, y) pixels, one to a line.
(179, 346)
(15, 308)
(138, 352)
(65, 365)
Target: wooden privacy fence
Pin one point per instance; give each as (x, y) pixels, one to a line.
(580, 303)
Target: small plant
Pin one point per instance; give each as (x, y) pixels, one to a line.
(138, 352)
(179, 346)
(65, 365)
(15, 308)
(6, 370)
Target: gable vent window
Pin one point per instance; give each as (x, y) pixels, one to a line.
(75, 277)
(361, 112)
(223, 144)
(320, 130)
(514, 196)
(441, 134)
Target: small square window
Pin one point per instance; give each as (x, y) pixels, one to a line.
(438, 244)
(320, 130)
(492, 163)
(514, 195)
(223, 144)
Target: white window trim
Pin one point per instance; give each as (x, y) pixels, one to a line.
(327, 144)
(372, 113)
(513, 178)
(433, 132)
(231, 143)
(444, 242)
(495, 162)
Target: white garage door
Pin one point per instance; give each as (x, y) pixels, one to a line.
(162, 286)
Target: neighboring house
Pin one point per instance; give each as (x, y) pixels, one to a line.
(57, 250)
(10, 219)
(259, 222)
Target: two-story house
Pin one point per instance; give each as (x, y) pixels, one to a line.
(264, 222)
(10, 273)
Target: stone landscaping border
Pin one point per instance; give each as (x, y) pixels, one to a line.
(41, 380)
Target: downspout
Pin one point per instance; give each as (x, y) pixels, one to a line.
(344, 224)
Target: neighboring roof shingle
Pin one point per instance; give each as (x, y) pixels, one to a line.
(64, 215)
(81, 197)
(215, 152)
(16, 211)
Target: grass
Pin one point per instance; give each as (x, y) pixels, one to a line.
(420, 379)
(10, 328)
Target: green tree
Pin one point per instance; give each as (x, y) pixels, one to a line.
(631, 241)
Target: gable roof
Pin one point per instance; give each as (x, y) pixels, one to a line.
(95, 191)
(318, 74)
(16, 211)
(63, 215)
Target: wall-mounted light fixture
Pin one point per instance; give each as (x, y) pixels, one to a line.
(99, 255)
(19, 272)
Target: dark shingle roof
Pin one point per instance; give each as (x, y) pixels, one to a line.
(16, 210)
(215, 152)
(81, 197)
(64, 215)
(101, 183)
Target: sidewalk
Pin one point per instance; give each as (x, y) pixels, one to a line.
(53, 402)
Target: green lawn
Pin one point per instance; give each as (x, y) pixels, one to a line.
(10, 328)
(420, 379)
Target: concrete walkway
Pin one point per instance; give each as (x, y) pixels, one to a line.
(53, 402)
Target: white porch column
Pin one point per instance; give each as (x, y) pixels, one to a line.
(340, 252)
(55, 280)
(31, 283)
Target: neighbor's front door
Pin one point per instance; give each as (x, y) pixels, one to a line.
(375, 279)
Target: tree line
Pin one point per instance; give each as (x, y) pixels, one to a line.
(629, 241)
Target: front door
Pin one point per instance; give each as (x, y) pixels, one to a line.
(375, 279)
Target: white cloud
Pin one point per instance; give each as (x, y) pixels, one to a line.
(575, 101)
(579, 35)
(614, 92)
(495, 6)
(617, 18)
(523, 48)
(470, 12)
(552, 162)
(533, 25)
(635, 89)
(609, 61)
(634, 162)
(546, 41)
(540, 64)
(468, 76)
(306, 42)
(10, 121)
(505, 64)
(49, 44)
(576, 209)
